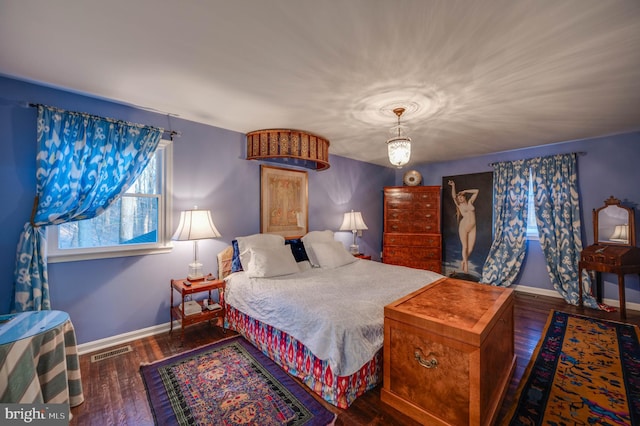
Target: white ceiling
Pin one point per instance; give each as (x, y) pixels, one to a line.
(475, 76)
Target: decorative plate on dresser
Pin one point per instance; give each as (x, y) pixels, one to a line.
(412, 178)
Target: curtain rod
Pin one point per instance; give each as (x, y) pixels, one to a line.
(577, 153)
(172, 133)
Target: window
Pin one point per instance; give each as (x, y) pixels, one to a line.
(532, 227)
(135, 224)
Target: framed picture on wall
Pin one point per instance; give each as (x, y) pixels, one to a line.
(284, 203)
(467, 224)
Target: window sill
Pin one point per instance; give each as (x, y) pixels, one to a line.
(63, 257)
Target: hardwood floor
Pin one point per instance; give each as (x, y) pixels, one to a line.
(115, 394)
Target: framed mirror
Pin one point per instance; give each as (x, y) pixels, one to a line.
(614, 224)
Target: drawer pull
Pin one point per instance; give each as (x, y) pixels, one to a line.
(432, 363)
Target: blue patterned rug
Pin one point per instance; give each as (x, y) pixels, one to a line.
(228, 383)
(584, 371)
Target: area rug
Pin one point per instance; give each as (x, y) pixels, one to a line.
(228, 383)
(584, 371)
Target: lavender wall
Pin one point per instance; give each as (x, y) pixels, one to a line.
(607, 166)
(114, 296)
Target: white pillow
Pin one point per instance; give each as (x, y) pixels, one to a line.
(305, 265)
(256, 240)
(271, 262)
(325, 236)
(316, 237)
(332, 255)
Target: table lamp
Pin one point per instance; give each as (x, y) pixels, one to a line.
(195, 225)
(353, 222)
(620, 234)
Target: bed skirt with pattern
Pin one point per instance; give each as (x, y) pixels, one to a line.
(297, 360)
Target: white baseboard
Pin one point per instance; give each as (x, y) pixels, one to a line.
(553, 293)
(120, 339)
(536, 290)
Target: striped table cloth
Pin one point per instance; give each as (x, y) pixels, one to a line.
(39, 359)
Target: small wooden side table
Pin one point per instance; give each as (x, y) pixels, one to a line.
(182, 287)
(619, 260)
(362, 256)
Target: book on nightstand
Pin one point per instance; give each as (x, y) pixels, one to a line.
(191, 307)
(214, 306)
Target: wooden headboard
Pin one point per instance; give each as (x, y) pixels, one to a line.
(224, 262)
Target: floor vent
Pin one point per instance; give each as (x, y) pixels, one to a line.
(111, 353)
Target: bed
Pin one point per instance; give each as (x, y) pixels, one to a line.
(314, 309)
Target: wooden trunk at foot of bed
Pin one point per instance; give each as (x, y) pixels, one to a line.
(297, 360)
(449, 352)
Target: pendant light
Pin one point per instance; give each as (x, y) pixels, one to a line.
(399, 147)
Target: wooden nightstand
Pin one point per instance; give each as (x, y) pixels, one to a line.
(177, 311)
(362, 256)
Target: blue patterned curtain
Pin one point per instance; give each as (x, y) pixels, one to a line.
(510, 188)
(557, 206)
(84, 163)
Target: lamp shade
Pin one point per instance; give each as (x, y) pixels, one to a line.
(620, 234)
(399, 150)
(353, 222)
(195, 225)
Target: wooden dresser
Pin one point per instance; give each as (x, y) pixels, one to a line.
(449, 352)
(412, 235)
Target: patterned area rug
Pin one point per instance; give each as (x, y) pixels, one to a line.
(228, 383)
(584, 371)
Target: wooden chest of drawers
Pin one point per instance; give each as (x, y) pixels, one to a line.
(449, 353)
(412, 227)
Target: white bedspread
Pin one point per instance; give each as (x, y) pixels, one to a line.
(337, 313)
